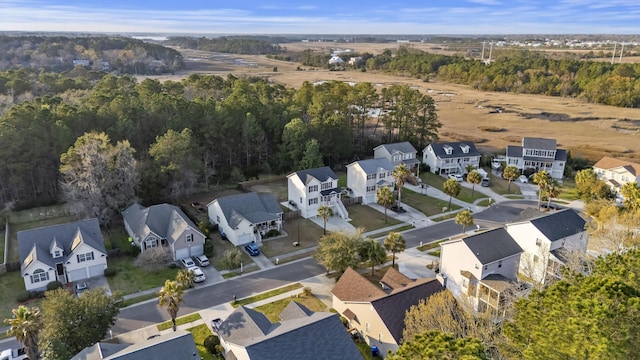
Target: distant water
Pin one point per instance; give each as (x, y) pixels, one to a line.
(154, 38)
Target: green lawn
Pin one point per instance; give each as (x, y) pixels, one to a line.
(437, 182)
(300, 230)
(425, 203)
(14, 254)
(11, 284)
(386, 232)
(200, 333)
(501, 186)
(366, 217)
(130, 279)
(266, 295)
(179, 321)
(272, 310)
(568, 191)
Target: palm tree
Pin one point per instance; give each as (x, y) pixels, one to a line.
(542, 179)
(451, 187)
(171, 296)
(185, 277)
(384, 197)
(474, 179)
(464, 218)
(325, 213)
(394, 242)
(510, 173)
(373, 252)
(552, 191)
(25, 326)
(401, 173)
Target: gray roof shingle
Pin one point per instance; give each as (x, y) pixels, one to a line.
(39, 241)
(456, 151)
(255, 207)
(560, 224)
(371, 166)
(165, 220)
(539, 143)
(322, 174)
(493, 245)
(404, 147)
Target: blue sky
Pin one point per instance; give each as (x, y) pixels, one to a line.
(324, 17)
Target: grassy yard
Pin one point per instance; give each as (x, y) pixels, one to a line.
(425, 203)
(437, 182)
(568, 191)
(200, 333)
(501, 186)
(363, 216)
(266, 295)
(13, 253)
(179, 321)
(11, 284)
(386, 232)
(300, 230)
(130, 278)
(272, 310)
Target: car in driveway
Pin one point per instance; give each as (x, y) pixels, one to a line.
(201, 260)
(252, 249)
(523, 179)
(550, 206)
(199, 275)
(187, 263)
(456, 177)
(485, 182)
(81, 287)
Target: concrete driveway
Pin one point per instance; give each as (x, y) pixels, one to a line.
(262, 261)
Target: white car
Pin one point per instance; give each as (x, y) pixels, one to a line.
(199, 275)
(523, 179)
(187, 263)
(456, 177)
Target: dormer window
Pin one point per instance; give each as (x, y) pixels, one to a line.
(57, 253)
(464, 148)
(189, 238)
(448, 149)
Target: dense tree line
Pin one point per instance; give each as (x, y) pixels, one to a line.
(231, 44)
(57, 53)
(226, 128)
(523, 71)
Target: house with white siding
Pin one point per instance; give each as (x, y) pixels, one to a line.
(538, 154)
(66, 253)
(616, 172)
(398, 153)
(365, 177)
(310, 189)
(450, 157)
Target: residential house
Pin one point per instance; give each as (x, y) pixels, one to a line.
(480, 268)
(547, 241)
(398, 153)
(66, 253)
(537, 154)
(617, 172)
(246, 218)
(377, 311)
(178, 345)
(301, 334)
(310, 189)
(451, 157)
(365, 177)
(163, 225)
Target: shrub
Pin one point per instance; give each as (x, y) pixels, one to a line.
(34, 294)
(109, 272)
(114, 253)
(231, 258)
(154, 259)
(273, 232)
(208, 247)
(54, 285)
(211, 344)
(23, 296)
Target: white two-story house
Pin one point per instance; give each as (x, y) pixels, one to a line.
(616, 172)
(480, 267)
(451, 157)
(547, 241)
(365, 177)
(538, 154)
(310, 189)
(398, 153)
(65, 253)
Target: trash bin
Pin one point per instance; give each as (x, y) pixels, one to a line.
(374, 351)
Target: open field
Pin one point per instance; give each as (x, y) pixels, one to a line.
(588, 130)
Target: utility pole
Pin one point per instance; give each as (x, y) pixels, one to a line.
(613, 56)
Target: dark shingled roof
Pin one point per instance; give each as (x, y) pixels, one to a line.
(403, 147)
(294, 310)
(244, 323)
(255, 207)
(164, 220)
(514, 151)
(560, 224)
(371, 166)
(456, 151)
(38, 242)
(539, 143)
(321, 174)
(493, 245)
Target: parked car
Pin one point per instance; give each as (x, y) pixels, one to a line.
(252, 249)
(456, 177)
(81, 287)
(550, 206)
(201, 260)
(215, 323)
(187, 263)
(223, 236)
(199, 275)
(485, 182)
(523, 179)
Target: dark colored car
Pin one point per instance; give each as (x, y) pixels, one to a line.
(485, 182)
(252, 249)
(550, 206)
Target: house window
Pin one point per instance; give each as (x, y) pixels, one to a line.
(84, 257)
(366, 327)
(313, 188)
(477, 266)
(327, 185)
(151, 243)
(39, 275)
(57, 254)
(189, 238)
(464, 282)
(382, 175)
(486, 267)
(218, 219)
(535, 258)
(538, 242)
(313, 201)
(371, 188)
(380, 337)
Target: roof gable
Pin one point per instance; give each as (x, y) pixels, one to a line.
(354, 287)
(560, 224)
(609, 163)
(492, 245)
(455, 149)
(254, 207)
(372, 166)
(321, 174)
(165, 220)
(244, 323)
(404, 147)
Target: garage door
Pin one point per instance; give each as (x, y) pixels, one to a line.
(96, 270)
(182, 253)
(197, 250)
(77, 275)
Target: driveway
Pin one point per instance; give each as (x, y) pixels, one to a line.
(262, 261)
